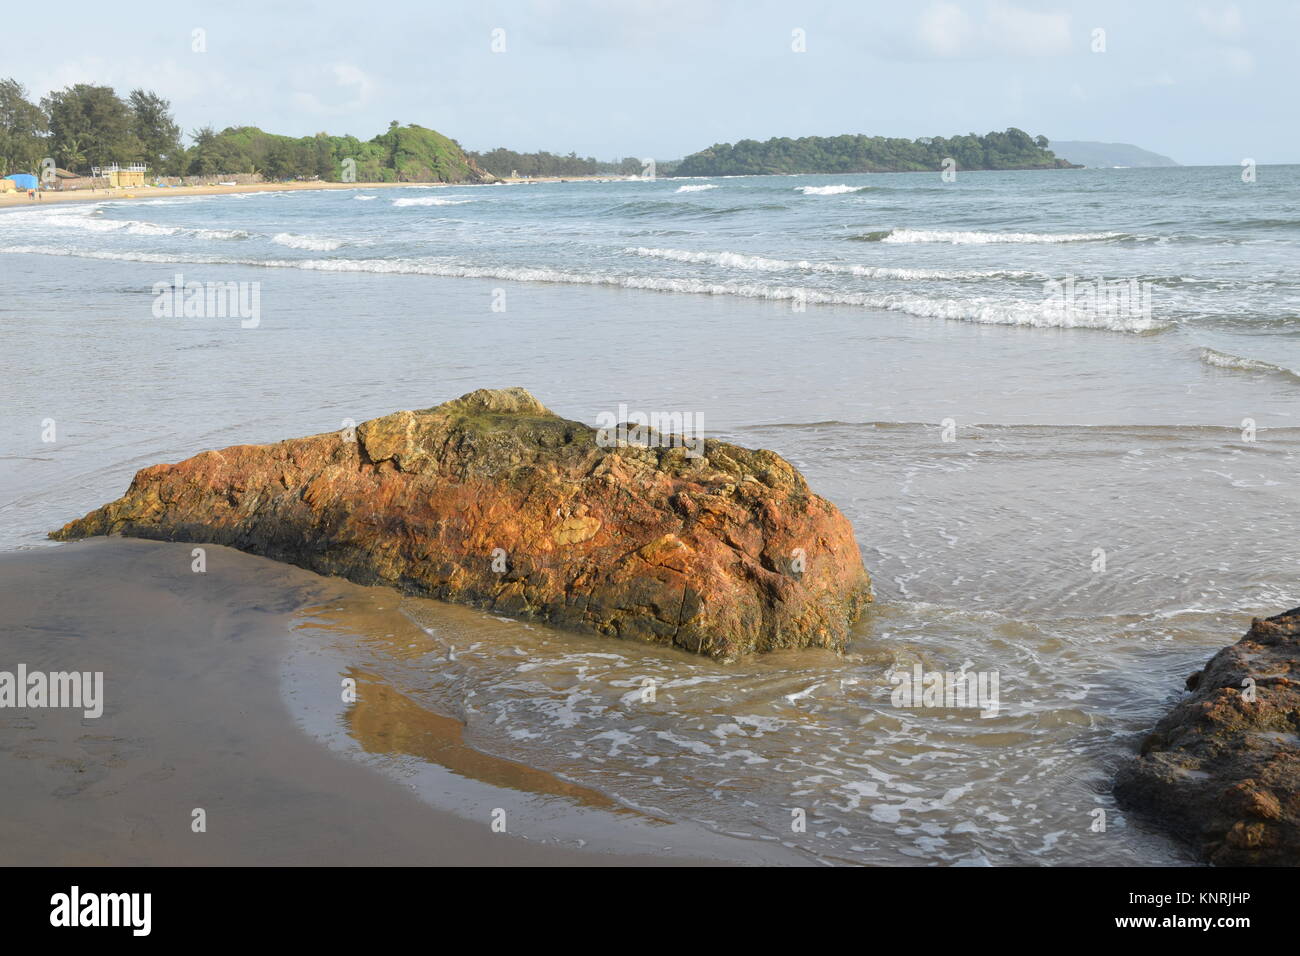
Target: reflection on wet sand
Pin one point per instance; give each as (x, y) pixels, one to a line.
(384, 721)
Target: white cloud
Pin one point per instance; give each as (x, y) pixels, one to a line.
(1028, 32)
(946, 31)
(339, 88)
(1158, 79)
(1238, 60)
(1226, 23)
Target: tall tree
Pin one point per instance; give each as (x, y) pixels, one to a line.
(154, 127)
(90, 126)
(22, 130)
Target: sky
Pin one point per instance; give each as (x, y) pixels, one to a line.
(1203, 83)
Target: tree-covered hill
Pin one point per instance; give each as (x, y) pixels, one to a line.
(83, 126)
(1012, 149)
(404, 154)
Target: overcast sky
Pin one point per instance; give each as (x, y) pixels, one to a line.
(1202, 83)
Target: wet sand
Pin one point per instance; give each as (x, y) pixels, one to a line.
(195, 716)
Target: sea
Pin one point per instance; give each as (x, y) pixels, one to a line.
(1061, 409)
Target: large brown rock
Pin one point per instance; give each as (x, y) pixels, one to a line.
(723, 554)
(1222, 769)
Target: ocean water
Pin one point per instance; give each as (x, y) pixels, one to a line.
(1085, 499)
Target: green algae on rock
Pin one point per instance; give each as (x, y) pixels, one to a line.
(495, 501)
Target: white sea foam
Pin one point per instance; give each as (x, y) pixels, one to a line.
(364, 198)
(430, 201)
(1236, 362)
(179, 201)
(827, 190)
(985, 311)
(697, 188)
(978, 238)
(89, 222)
(736, 260)
(217, 233)
(312, 243)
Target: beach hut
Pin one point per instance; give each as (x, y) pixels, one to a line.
(119, 176)
(24, 180)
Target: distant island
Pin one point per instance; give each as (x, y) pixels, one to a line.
(1108, 155)
(1010, 149)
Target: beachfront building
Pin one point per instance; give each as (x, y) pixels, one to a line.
(118, 176)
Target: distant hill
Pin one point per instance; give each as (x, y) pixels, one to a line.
(1010, 149)
(404, 154)
(1107, 155)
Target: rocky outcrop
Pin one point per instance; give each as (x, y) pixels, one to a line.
(495, 501)
(1222, 769)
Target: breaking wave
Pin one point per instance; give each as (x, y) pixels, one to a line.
(92, 219)
(980, 238)
(1217, 359)
(430, 201)
(984, 311)
(829, 190)
(312, 243)
(701, 187)
(735, 260)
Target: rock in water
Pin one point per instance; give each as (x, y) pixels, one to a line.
(1222, 769)
(495, 501)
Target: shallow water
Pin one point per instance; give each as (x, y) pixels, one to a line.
(1069, 446)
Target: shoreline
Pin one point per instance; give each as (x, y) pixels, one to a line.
(19, 198)
(197, 714)
(161, 192)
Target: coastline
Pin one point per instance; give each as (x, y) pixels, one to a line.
(195, 716)
(19, 199)
(158, 192)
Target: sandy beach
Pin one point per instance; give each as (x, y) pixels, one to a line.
(194, 717)
(20, 198)
(158, 192)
